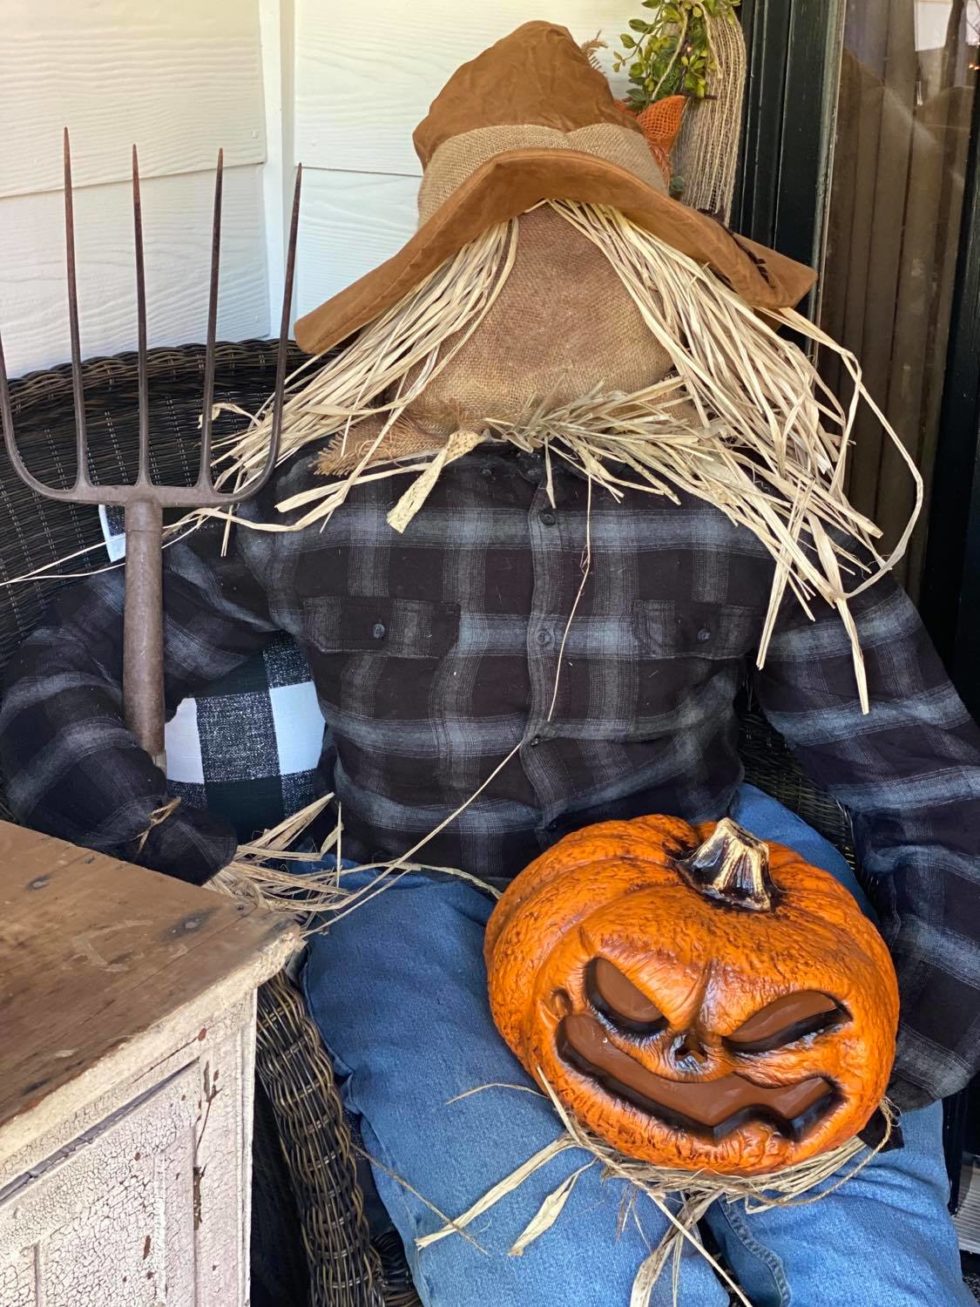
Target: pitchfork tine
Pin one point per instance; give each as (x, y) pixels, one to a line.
(7, 417)
(287, 304)
(142, 387)
(81, 444)
(204, 476)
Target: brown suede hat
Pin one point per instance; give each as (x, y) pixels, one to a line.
(530, 119)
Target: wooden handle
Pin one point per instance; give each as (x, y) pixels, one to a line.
(143, 627)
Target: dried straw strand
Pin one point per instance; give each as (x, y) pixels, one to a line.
(746, 423)
(410, 338)
(696, 1191)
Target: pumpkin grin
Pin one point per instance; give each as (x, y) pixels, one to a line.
(711, 1109)
(695, 997)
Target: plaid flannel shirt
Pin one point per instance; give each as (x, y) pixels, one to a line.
(436, 652)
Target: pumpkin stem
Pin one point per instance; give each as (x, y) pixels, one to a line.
(732, 866)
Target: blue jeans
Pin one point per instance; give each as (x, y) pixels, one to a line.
(398, 990)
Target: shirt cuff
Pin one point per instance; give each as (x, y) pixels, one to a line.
(190, 844)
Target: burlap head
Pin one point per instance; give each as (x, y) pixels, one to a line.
(562, 326)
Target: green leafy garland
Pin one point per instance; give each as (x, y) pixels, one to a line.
(671, 54)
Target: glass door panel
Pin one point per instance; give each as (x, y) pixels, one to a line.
(901, 144)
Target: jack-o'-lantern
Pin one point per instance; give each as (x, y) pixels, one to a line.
(693, 996)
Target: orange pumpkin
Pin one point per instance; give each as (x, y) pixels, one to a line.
(693, 996)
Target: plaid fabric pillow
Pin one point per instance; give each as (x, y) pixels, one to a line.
(248, 748)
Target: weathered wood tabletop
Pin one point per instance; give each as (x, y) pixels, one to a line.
(96, 954)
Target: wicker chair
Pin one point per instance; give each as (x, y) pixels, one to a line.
(304, 1160)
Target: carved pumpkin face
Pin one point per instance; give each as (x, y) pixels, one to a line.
(694, 997)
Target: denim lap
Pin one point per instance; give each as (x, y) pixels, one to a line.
(398, 989)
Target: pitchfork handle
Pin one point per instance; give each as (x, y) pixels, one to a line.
(143, 627)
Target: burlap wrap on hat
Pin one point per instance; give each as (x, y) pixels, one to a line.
(529, 120)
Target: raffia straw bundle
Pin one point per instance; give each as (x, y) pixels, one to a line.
(682, 1197)
(708, 149)
(746, 424)
(368, 377)
(260, 873)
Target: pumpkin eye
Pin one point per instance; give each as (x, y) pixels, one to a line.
(618, 1000)
(786, 1020)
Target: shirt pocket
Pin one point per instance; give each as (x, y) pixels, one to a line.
(674, 628)
(399, 628)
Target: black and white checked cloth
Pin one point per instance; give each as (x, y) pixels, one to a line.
(247, 746)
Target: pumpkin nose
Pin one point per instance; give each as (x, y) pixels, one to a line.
(687, 1052)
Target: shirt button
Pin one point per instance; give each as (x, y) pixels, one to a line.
(531, 467)
(544, 638)
(548, 517)
(534, 741)
(486, 472)
(378, 630)
(704, 634)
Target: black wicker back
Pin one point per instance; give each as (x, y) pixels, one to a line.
(39, 531)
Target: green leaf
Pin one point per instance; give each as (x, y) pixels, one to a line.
(628, 41)
(636, 70)
(638, 25)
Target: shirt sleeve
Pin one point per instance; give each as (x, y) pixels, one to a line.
(909, 771)
(72, 769)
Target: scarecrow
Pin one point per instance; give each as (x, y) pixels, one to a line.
(561, 488)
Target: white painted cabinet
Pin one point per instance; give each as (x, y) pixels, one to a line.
(125, 1171)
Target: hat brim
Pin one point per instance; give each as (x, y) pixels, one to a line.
(514, 181)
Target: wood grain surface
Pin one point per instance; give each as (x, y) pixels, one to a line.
(93, 952)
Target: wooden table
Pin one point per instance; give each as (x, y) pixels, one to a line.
(127, 1038)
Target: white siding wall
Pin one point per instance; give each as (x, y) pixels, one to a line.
(365, 74)
(337, 85)
(177, 77)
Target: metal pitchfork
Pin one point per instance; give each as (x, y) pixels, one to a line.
(144, 500)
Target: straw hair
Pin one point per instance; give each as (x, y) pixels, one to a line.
(745, 423)
(260, 872)
(369, 377)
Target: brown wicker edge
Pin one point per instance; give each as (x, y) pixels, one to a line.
(298, 1078)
